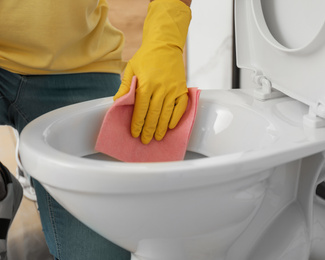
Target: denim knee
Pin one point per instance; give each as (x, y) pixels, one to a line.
(68, 238)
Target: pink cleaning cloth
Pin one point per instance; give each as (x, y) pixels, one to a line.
(115, 138)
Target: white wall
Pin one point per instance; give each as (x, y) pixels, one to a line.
(209, 45)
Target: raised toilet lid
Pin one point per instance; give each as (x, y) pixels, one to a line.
(283, 41)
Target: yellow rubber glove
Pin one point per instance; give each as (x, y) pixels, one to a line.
(161, 94)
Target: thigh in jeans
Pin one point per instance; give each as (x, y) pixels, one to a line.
(40, 94)
(4, 104)
(9, 88)
(67, 238)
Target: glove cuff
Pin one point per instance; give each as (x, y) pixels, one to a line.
(167, 22)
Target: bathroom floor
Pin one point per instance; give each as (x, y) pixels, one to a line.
(26, 240)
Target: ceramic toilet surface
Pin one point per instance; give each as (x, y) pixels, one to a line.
(285, 52)
(243, 140)
(231, 128)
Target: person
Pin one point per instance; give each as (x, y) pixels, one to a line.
(56, 53)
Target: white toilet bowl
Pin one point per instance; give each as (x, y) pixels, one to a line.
(244, 192)
(192, 209)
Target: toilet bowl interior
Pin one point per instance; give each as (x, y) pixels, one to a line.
(220, 128)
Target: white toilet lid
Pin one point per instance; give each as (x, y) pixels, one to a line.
(284, 40)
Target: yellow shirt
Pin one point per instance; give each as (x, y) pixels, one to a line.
(58, 36)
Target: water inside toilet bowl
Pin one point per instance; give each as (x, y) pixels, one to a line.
(103, 157)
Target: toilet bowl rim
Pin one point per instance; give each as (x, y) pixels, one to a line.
(247, 163)
(154, 176)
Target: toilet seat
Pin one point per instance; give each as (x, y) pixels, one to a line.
(296, 70)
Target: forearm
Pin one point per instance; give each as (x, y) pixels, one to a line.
(187, 2)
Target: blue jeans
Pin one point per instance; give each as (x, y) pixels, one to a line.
(22, 99)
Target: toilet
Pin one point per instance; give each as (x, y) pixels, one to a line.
(246, 189)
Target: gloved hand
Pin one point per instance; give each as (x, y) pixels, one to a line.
(161, 94)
